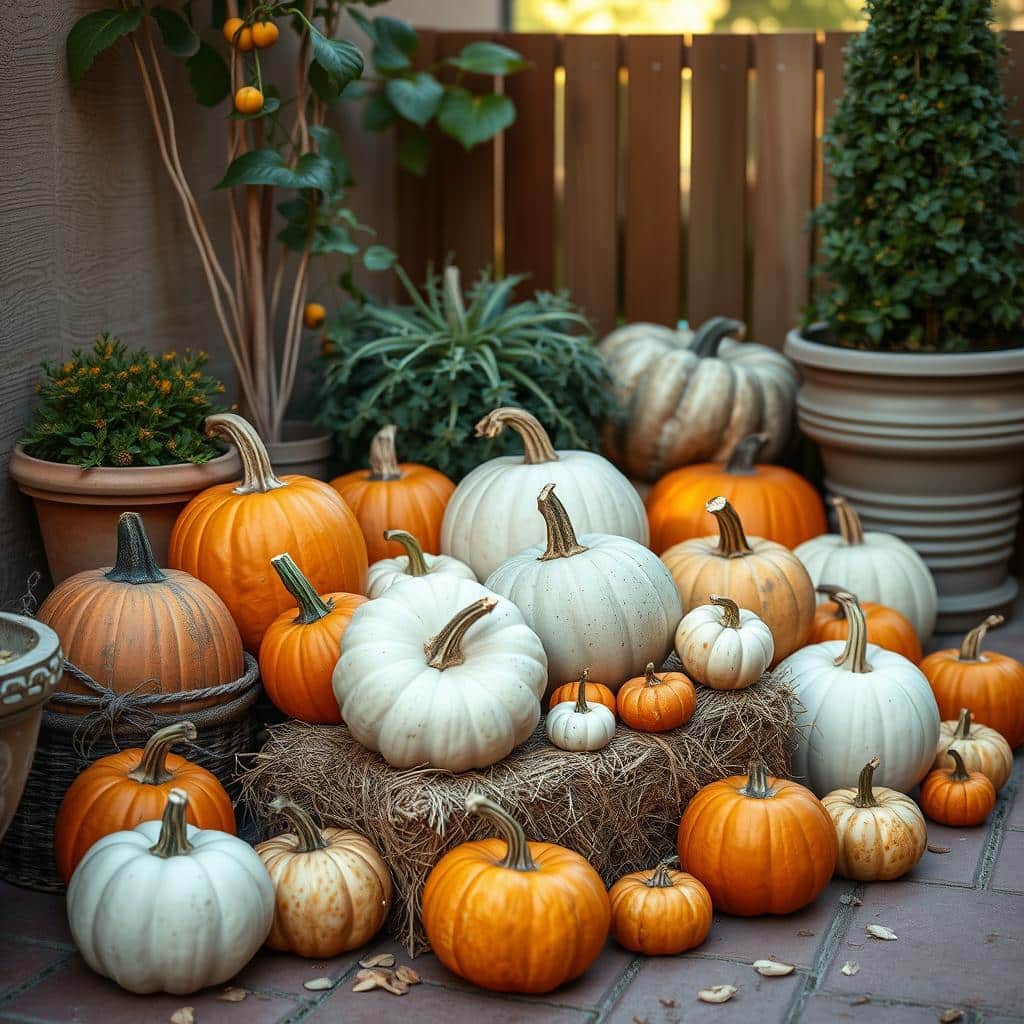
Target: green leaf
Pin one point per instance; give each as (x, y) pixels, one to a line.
(418, 98)
(209, 76)
(328, 145)
(93, 34)
(378, 113)
(271, 105)
(395, 42)
(488, 59)
(474, 119)
(178, 35)
(294, 209)
(267, 167)
(327, 88)
(340, 58)
(379, 257)
(413, 153)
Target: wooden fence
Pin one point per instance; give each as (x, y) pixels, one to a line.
(656, 177)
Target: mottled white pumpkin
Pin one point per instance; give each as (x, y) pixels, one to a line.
(413, 563)
(168, 907)
(875, 566)
(980, 748)
(724, 646)
(491, 515)
(601, 602)
(439, 671)
(856, 701)
(579, 725)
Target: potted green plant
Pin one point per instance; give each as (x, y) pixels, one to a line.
(912, 352)
(117, 430)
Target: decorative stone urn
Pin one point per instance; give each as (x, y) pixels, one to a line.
(930, 448)
(31, 663)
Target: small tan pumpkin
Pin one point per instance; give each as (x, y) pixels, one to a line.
(981, 748)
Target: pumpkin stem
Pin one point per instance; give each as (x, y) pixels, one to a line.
(518, 855)
(152, 767)
(383, 457)
(582, 707)
(744, 454)
(709, 335)
(730, 611)
(562, 542)
(865, 794)
(173, 838)
(855, 654)
(963, 725)
(850, 528)
(830, 590)
(445, 650)
(732, 541)
(757, 782)
(312, 607)
(650, 679)
(537, 446)
(417, 563)
(309, 837)
(970, 649)
(660, 878)
(257, 475)
(959, 772)
(135, 561)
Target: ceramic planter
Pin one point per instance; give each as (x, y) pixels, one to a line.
(928, 447)
(78, 508)
(304, 448)
(31, 663)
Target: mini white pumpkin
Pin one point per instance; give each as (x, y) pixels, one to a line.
(413, 563)
(439, 671)
(491, 515)
(724, 646)
(875, 566)
(578, 725)
(601, 601)
(168, 907)
(980, 748)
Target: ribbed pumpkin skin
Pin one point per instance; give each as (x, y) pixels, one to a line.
(955, 803)
(983, 750)
(595, 693)
(656, 920)
(887, 628)
(666, 705)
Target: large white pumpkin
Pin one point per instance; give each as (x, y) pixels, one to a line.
(491, 515)
(439, 671)
(875, 566)
(168, 907)
(856, 701)
(601, 601)
(413, 563)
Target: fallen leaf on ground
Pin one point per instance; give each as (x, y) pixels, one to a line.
(772, 968)
(879, 931)
(850, 968)
(186, 1015)
(365, 985)
(717, 993)
(860, 1000)
(407, 975)
(850, 901)
(379, 960)
(232, 995)
(938, 849)
(318, 984)
(951, 1016)
(805, 933)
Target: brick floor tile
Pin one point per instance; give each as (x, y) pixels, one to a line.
(821, 1009)
(1015, 815)
(960, 865)
(282, 972)
(40, 915)
(956, 947)
(1009, 869)
(19, 962)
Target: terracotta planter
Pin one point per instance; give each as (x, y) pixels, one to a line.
(305, 449)
(928, 447)
(78, 508)
(31, 663)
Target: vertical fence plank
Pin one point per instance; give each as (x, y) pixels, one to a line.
(833, 60)
(718, 177)
(783, 196)
(591, 150)
(653, 212)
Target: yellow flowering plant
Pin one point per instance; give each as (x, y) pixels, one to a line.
(113, 406)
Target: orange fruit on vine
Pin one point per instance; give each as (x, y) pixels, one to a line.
(264, 34)
(240, 40)
(248, 100)
(313, 315)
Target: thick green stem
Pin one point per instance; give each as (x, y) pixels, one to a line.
(309, 837)
(257, 474)
(562, 542)
(173, 838)
(445, 650)
(711, 333)
(959, 772)
(855, 654)
(660, 879)
(537, 446)
(518, 856)
(135, 561)
(312, 607)
(732, 541)
(383, 456)
(865, 794)
(970, 649)
(152, 767)
(417, 563)
(743, 457)
(757, 782)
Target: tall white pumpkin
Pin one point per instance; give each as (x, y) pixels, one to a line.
(857, 701)
(491, 515)
(600, 602)
(875, 566)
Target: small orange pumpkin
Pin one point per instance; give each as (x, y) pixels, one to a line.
(302, 645)
(954, 796)
(886, 627)
(395, 495)
(122, 790)
(981, 749)
(657, 703)
(594, 693)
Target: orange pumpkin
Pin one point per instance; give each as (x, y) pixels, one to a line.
(954, 796)
(989, 685)
(122, 790)
(137, 624)
(660, 913)
(594, 693)
(657, 703)
(511, 915)
(395, 495)
(228, 534)
(981, 749)
(886, 627)
(302, 645)
(773, 502)
(761, 845)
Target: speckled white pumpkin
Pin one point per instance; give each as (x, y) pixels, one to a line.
(580, 726)
(724, 646)
(413, 563)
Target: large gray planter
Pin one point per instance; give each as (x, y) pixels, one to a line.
(928, 447)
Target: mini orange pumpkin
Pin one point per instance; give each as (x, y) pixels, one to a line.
(886, 627)
(395, 495)
(773, 502)
(594, 693)
(981, 749)
(302, 645)
(122, 790)
(657, 703)
(955, 796)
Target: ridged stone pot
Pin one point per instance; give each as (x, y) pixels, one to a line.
(930, 448)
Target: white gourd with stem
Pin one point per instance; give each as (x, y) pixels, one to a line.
(415, 562)
(580, 725)
(982, 749)
(724, 646)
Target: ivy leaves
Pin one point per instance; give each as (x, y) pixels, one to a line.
(93, 34)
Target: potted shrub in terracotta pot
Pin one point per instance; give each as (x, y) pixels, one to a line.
(912, 355)
(117, 431)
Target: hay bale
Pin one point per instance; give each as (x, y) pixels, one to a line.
(619, 807)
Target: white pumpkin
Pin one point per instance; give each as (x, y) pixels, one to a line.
(168, 907)
(439, 671)
(875, 566)
(601, 601)
(491, 515)
(980, 748)
(724, 646)
(413, 563)
(856, 701)
(579, 725)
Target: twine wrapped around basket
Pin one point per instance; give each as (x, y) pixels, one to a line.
(110, 721)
